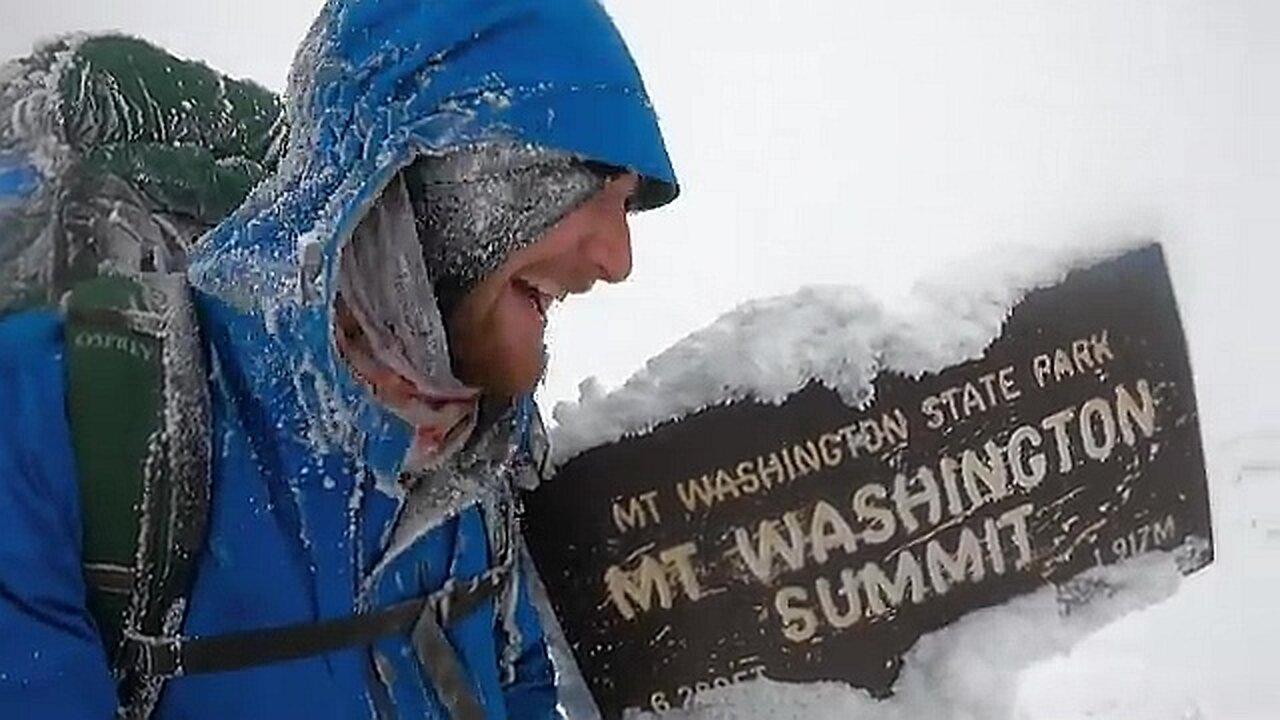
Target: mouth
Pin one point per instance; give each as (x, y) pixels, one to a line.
(541, 294)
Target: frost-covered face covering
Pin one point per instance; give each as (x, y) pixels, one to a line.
(477, 205)
(439, 228)
(389, 330)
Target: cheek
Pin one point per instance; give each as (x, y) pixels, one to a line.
(515, 315)
(507, 338)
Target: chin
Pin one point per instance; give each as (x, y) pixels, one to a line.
(513, 376)
(499, 347)
(510, 361)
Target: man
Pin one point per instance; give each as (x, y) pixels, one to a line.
(372, 323)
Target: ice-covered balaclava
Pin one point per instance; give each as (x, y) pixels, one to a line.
(439, 228)
(477, 205)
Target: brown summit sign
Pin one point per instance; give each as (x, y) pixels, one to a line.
(811, 540)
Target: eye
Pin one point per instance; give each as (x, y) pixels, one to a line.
(631, 195)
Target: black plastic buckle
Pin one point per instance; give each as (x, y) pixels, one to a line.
(154, 657)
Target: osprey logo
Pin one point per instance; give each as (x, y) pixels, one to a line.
(98, 340)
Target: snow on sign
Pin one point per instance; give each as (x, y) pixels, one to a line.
(811, 540)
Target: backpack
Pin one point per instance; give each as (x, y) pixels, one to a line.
(115, 157)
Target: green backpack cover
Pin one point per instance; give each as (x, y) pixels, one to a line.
(137, 154)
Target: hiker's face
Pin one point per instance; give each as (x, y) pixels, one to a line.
(496, 330)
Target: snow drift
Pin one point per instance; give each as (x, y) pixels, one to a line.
(839, 336)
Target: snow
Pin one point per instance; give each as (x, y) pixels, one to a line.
(1209, 652)
(31, 104)
(968, 670)
(839, 336)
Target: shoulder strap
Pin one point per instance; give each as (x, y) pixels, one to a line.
(138, 408)
(176, 656)
(424, 619)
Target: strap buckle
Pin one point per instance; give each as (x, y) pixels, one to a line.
(155, 657)
(457, 600)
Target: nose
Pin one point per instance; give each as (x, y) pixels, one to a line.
(609, 247)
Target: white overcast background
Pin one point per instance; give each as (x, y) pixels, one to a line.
(870, 143)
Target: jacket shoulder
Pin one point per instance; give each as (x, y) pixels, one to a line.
(33, 384)
(27, 335)
(32, 380)
(50, 640)
(39, 491)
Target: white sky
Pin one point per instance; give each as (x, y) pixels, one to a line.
(849, 141)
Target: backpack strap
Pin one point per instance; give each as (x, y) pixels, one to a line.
(139, 414)
(176, 656)
(424, 619)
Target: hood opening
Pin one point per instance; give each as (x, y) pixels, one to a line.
(440, 226)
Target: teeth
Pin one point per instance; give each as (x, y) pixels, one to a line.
(536, 297)
(554, 293)
(544, 294)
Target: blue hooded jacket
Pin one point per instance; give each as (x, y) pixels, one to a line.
(303, 458)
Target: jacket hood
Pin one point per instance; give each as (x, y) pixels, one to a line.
(375, 86)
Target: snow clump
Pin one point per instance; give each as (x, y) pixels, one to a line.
(769, 349)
